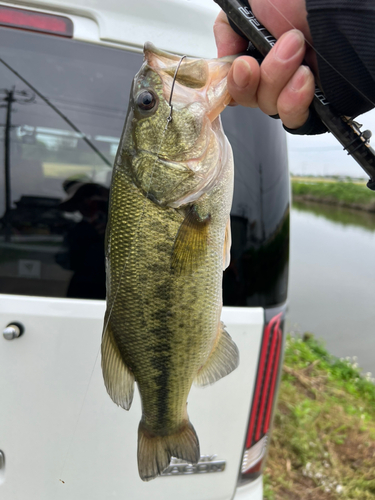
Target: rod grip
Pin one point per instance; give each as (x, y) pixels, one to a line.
(346, 130)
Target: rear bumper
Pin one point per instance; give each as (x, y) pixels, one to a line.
(250, 491)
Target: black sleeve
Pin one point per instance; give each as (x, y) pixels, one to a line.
(343, 33)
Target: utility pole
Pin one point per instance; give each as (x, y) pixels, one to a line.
(9, 99)
(10, 96)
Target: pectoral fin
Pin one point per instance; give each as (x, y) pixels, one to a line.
(227, 245)
(191, 242)
(118, 379)
(223, 359)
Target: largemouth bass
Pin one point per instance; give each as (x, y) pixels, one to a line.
(167, 243)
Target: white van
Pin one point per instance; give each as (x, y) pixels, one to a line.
(65, 73)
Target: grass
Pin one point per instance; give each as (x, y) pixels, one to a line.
(323, 442)
(344, 193)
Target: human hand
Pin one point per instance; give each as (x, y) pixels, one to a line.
(280, 85)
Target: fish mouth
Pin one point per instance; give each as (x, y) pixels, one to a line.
(205, 77)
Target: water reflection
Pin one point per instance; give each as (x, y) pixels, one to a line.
(339, 215)
(332, 278)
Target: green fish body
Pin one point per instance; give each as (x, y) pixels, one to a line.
(167, 242)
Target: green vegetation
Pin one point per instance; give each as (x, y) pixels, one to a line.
(344, 193)
(323, 443)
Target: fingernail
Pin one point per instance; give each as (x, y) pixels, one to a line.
(289, 45)
(299, 78)
(241, 73)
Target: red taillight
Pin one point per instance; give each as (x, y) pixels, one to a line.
(264, 395)
(36, 21)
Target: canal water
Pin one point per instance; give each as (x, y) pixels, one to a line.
(332, 279)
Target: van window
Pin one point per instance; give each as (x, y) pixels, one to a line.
(54, 178)
(63, 106)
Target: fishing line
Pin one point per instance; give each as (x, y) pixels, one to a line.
(321, 56)
(169, 119)
(79, 416)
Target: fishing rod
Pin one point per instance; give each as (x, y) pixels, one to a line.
(345, 129)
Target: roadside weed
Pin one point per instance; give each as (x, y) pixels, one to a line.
(323, 442)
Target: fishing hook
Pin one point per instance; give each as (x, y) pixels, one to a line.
(172, 88)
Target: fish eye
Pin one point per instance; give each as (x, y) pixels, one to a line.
(146, 100)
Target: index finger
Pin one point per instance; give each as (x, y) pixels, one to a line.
(227, 41)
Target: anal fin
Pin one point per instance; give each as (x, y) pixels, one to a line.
(223, 359)
(118, 379)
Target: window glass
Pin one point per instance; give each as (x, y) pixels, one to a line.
(62, 113)
(258, 271)
(63, 106)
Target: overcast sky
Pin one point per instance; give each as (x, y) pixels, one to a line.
(323, 155)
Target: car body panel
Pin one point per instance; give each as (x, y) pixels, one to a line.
(58, 423)
(184, 25)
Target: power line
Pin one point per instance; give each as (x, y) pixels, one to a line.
(65, 118)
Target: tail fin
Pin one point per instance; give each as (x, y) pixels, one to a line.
(155, 452)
